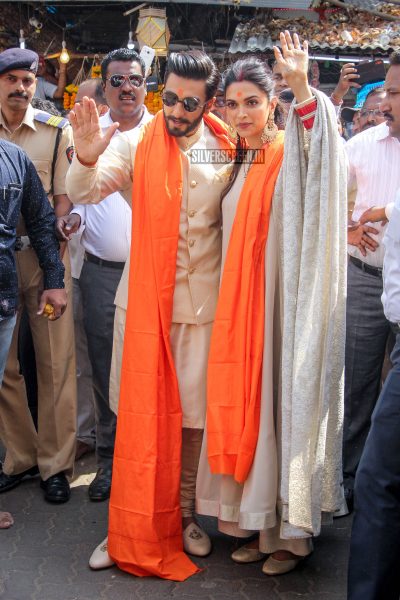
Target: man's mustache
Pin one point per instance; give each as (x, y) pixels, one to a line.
(18, 95)
(182, 121)
(125, 94)
(388, 116)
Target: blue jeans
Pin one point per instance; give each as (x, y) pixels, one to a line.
(374, 566)
(6, 331)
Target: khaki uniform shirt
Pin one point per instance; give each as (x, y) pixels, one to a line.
(38, 141)
(199, 245)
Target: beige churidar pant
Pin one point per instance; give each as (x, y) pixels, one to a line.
(190, 345)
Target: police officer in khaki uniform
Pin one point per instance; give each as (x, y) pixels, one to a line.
(47, 140)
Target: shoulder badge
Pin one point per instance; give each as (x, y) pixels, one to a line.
(52, 120)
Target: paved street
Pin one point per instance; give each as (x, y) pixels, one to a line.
(44, 557)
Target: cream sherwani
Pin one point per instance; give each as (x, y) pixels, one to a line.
(198, 258)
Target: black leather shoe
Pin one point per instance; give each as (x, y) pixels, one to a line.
(8, 482)
(100, 487)
(56, 489)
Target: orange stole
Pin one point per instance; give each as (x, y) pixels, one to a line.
(236, 352)
(145, 527)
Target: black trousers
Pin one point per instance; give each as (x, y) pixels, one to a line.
(98, 286)
(374, 567)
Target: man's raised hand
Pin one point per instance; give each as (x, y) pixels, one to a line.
(89, 140)
(348, 78)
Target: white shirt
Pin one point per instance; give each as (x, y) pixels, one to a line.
(391, 264)
(374, 159)
(44, 89)
(107, 226)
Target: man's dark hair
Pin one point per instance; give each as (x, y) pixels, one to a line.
(123, 54)
(46, 106)
(394, 58)
(194, 64)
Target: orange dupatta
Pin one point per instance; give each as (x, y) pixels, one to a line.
(236, 352)
(145, 525)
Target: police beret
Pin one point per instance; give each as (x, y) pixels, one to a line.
(18, 58)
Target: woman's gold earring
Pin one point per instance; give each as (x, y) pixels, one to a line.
(270, 130)
(232, 132)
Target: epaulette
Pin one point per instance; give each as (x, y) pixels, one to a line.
(53, 120)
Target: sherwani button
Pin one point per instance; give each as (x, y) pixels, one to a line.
(193, 184)
(191, 243)
(191, 213)
(191, 270)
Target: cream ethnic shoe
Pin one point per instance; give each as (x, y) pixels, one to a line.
(247, 555)
(100, 558)
(196, 541)
(279, 567)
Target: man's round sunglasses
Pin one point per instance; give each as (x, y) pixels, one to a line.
(190, 104)
(118, 80)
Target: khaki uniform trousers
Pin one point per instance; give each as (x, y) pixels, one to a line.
(52, 448)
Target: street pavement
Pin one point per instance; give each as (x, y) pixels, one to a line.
(44, 556)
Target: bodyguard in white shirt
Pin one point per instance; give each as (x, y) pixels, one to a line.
(106, 241)
(374, 156)
(85, 419)
(374, 567)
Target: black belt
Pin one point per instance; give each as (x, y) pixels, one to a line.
(375, 271)
(103, 263)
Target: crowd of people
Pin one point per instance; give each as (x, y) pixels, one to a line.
(211, 294)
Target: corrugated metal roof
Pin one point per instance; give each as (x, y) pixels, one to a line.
(249, 3)
(345, 35)
(324, 46)
(350, 47)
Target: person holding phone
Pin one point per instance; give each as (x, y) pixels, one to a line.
(348, 78)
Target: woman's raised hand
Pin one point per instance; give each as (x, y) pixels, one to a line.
(89, 140)
(292, 59)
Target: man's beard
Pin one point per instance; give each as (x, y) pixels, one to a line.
(191, 126)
